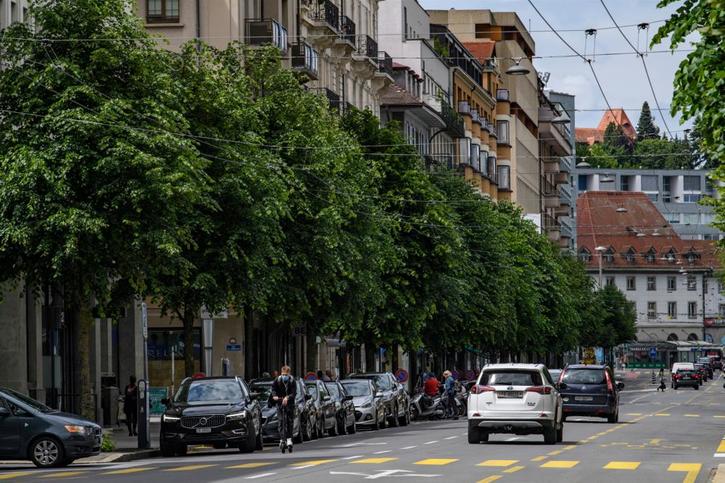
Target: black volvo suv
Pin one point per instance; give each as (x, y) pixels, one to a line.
(217, 411)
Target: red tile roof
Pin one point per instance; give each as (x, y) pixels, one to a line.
(624, 221)
(481, 50)
(589, 135)
(596, 135)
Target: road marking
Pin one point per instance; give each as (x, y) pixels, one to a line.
(514, 469)
(662, 414)
(634, 414)
(431, 442)
(436, 461)
(17, 474)
(560, 464)
(539, 458)
(655, 441)
(351, 457)
(498, 463)
(63, 474)
(555, 453)
(248, 465)
(374, 461)
(622, 465)
(571, 446)
(309, 464)
(490, 479)
(719, 417)
(384, 451)
(386, 474)
(190, 468)
(450, 437)
(127, 471)
(352, 445)
(692, 470)
(692, 415)
(259, 475)
(720, 448)
(410, 447)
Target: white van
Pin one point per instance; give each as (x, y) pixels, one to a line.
(683, 366)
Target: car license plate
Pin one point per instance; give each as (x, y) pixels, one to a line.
(510, 394)
(584, 398)
(203, 430)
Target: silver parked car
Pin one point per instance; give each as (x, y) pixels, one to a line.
(369, 409)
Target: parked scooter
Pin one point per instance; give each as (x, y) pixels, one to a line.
(461, 399)
(426, 407)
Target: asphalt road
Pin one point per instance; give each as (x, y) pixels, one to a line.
(662, 437)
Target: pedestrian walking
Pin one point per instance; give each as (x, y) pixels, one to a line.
(130, 403)
(449, 392)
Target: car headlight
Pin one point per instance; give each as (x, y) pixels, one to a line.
(75, 429)
(169, 419)
(237, 416)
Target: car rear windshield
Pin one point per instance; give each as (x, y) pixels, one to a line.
(510, 378)
(209, 392)
(688, 373)
(584, 376)
(334, 390)
(381, 380)
(357, 388)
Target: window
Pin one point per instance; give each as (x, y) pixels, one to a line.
(3, 20)
(692, 183)
(582, 182)
(672, 310)
(630, 256)
(631, 283)
(608, 256)
(673, 218)
(671, 256)
(691, 257)
(691, 310)
(691, 283)
(671, 284)
(610, 282)
(652, 197)
(651, 310)
(585, 255)
(649, 183)
(691, 198)
(624, 183)
(651, 284)
(650, 256)
(504, 177)
(502, 130)
(483, 31)
(666, 189)
(691, 218)
(722, 310)
(162, 10)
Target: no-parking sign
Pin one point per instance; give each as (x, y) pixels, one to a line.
(401, 375)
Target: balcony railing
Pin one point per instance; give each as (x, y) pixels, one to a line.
(305, 59)
(502, 131)
(464, 108)
(454, 122)
(327, 12)
(502, 95)
(385, 63)
(476, 118)
(368, 47)
(266, 32)
(347, 29)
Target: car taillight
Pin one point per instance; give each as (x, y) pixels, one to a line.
(610, 386)
(539, 389)
(676, 377)
(478, 389)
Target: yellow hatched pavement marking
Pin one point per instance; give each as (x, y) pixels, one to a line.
(497, 463)
(571, 446)
(514, 469)
(248, 465)
(373, 461)
(490, 479)
(16, 474)
(692, 470)
(63, 474)
(311, 463)
(721, 448)
(190, 468)
(538, 458)
(436, 461)
(555, 453)
(662, 414)
(719, 417)
(127, 471)
(622, 465)
(560, 464)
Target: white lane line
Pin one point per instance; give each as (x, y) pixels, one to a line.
(431, 442)
(352, 457)
(450, 437)
(384, 451)
(260, 475)
(719, 455)
(410, 447)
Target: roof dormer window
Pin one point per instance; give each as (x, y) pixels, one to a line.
(650, 256)
(585, 255)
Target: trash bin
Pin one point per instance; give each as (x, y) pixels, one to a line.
(109, 403)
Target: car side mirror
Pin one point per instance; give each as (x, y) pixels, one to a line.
(4, 412)
(561, 385)
(379, 394)
(620, 386)
(347, 398)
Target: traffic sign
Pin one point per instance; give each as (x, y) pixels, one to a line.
(401, 375)
(653, 352)
(311, 376)
(144, 320)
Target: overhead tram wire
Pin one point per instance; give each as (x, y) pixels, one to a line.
(644, 64)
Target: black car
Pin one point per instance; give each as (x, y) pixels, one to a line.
(703, 370)
(49, 438)
(324, 408)
(261, 390)
(217, 411)
(684, 378)
(344, 407)
(396, 400)
(590, 390)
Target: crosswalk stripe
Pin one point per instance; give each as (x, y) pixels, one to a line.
(128, 471)
(560, 464)
(16, 474)
(374, 461)
(692, 470)
(490, 479)
(248, 465)
(190, 468)
(436, 461)
(63, 474)
(497, 463)
(513, 469)
(622, 465)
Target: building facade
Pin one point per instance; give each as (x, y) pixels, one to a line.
(567, 166)
(617, 117)
(13, 11)
(675, 193)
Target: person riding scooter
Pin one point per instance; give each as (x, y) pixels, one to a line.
(284, 390)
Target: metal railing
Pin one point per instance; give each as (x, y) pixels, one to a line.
(454, 122)
(347, 29)
(265, 32)
(326, 12)
(367, 46)
(305, 59)
(332, 97)
(385, 63)
(464, 107)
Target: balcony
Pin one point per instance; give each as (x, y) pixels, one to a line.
(383, 76)
(502, 133)
(266, 32)
(347, 36)
(552, 197)
(566, 164)
(323, 22)
(566, 198)
(365, 58)
(561, 178)
(502, 95)
(476, 118)
(305, 60)
(464, 108)
(551, 227)
(454, 122)
(333, 98)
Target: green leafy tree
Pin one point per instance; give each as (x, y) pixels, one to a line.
(646, 128)
(601, 156)
(655, 153)
(619, 317)
(616, 142)
(97, 175)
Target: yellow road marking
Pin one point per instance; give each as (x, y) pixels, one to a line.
(655, 441)
(554, 453)
(514, 469)
(436, 461)
(571, 446)
(127, 471)
(692, 470)
(538, 458)
(560, 464)
(719, 417)
(622, 465)
(721, 448)
(16, 474)
(248, 465)
(692, 415)
(634, 414)
(63, 474)
(499, 463)
(373, 461)
(662, 414)
(306, 464)
(490, 479)
(190, 468)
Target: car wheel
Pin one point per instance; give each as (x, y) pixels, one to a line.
(674, 387)
(413, 413)
(259, 443)
(550, 434)
(474, 436)
(560, 433)
(167, 451)
(484, 437)
(46, 452)
(342, 426)
(384, 420)
(613, 418)
(321, 431)
(394, 421)
(181, 450)
(248, 445)
(405, 418)
(335, 428)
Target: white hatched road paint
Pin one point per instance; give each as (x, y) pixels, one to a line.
(450, 437)
(386, 474)
(352, 457)
(259, 475)
(353, 445)
(384, 451)
(410, 447)
(432, 442)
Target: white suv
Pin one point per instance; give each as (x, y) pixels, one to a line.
(515, 398)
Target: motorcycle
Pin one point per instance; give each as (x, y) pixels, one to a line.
(426, 407)
(461, 399)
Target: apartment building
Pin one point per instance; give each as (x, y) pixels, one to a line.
(567, 167)
(13, 11)
(625, 241)
(676, 194)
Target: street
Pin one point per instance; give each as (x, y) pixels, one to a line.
(662, 437)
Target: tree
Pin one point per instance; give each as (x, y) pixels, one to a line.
(616, 142)
(655, 153)
(619, 317)
(646, 128)
(599, 156)
(97, 174)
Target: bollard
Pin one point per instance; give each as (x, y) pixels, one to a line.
(654, 379)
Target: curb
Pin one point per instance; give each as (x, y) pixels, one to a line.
(118, 457)
(719, 474)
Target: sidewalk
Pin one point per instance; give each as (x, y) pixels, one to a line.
(126, 447)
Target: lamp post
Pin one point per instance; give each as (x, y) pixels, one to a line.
(707, 273)
(600, 251)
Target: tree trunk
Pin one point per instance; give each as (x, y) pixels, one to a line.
(80, 315)
(188, 320)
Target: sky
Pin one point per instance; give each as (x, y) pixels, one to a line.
(623, 78)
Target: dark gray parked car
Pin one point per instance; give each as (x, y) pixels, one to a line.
(396, 400)
(32, 431)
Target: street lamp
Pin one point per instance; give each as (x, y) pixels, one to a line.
(600, 251)
(517, 68)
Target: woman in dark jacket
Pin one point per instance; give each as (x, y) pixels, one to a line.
(130, 400)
